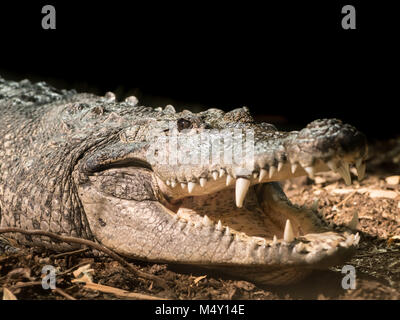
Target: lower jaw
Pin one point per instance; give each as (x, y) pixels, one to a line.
(263, 215)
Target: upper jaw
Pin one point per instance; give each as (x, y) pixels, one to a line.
(264, 156)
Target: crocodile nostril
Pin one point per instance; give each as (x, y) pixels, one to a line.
(183, 124)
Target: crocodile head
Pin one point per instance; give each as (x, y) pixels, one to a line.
(203, 189)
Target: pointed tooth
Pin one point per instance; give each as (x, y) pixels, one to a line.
(357, 238)
(221, 173)
(255, 175)
(274, 240)
(360, 166)
(173, 183)
(280, 166)
(242, 186)
(310, 172)
(227, 231)
(168, 183)
(215, 175)
(353, 224)
(229, 180)
(332, 165)
(272, 170)
(294, 167)
(299, 247)
(219, 225)
(288, 234)
(203, 182)
(263, 175)
(191, 186)
(344, 172)
(183, 185)
(207, 221)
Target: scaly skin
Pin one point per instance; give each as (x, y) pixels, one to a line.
(90, 167)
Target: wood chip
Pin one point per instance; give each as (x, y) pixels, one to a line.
(393, 180)
(8, 295)
(382, 194)
(196, 281)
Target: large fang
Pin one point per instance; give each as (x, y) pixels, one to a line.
(360, 166)
(191, 186)
(344, 172)
(242, 185)
(294, 167)
(288, 234)
(263, 174)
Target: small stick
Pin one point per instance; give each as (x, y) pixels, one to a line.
(162, 283)
(347, 198)
(64, 294)
(70, 253)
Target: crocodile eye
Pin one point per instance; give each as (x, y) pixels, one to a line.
(183, 124)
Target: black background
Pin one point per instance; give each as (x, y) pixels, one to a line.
(288, 61)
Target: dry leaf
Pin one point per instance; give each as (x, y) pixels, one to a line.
(8, 295)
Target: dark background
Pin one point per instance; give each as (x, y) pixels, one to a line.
(289, 62)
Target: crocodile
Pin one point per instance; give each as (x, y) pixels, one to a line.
(193, 189)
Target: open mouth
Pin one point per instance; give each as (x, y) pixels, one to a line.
(254, 210)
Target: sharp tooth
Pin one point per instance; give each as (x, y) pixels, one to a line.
(299, 247)
(207, 221)
(242, 185)
(272, 170)
(274, 240)
(168, 183)
(353, 224)
(203, 182)
(215, 175)
(255, 175)
(280, 166)
(219, 225)
(263, 174)
(183, 185)
(173, 183)
(229, 180)
(356, 238)
(310, 172)
(344, 172)
(288, 234)
(227, 231)
(294, 167)
(360, 166)
(221, 173)
(332, 165)
(191, 186)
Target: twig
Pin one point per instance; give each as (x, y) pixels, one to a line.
(64, 294)
(160, 282)
(347, 198)
(120, 292)
(69, 253)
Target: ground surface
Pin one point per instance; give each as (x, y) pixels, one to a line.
(376, 199)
